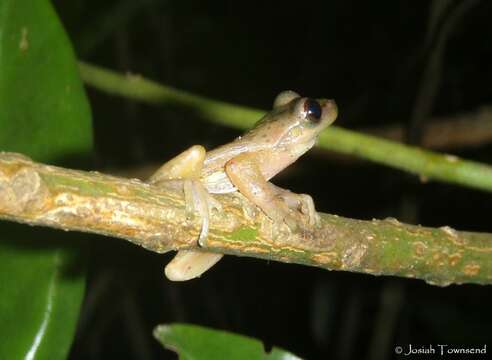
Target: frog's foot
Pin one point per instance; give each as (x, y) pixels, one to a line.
(188, 264)
(302, 203)
(296, 210)
(279, 212)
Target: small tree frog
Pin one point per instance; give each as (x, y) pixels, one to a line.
(245, 165)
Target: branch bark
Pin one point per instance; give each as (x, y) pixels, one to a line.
(154, 217)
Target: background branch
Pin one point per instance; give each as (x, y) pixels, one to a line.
(154, 218)
(464, 130)
(427, 164)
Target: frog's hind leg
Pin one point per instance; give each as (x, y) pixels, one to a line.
(188, 166)
(198, 199)
(189, 264)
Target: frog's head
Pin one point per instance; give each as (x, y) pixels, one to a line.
(299, 120)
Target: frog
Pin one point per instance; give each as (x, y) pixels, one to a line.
(245, 166)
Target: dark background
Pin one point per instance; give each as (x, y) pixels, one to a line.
(372, 58)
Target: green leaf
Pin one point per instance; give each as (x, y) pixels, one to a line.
(193, 342)
(44, 111)
(44, 114)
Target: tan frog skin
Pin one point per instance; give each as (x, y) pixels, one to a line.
(245, 165)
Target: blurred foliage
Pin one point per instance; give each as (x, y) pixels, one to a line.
(45, 115)
(197, 342)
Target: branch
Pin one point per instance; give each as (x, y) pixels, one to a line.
(154, 217)
(465, 130)
(427, 164)
(433, 70)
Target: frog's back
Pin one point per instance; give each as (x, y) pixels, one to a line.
(263, 136)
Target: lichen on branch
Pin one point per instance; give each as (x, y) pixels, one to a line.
(155, 218)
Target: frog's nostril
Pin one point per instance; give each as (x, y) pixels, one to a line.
(330, 106)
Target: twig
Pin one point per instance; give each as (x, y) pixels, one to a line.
(428, 165)
(154, 217)
(464, 130)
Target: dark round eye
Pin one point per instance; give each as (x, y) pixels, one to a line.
(313, 110)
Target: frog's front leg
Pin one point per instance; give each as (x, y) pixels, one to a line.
(278, 204)
(188, 264)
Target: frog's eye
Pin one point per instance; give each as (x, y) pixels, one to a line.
(313, 111)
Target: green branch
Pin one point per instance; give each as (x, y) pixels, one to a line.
(426, 164)
(155, 218)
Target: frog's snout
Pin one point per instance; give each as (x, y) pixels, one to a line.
(330, 109)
